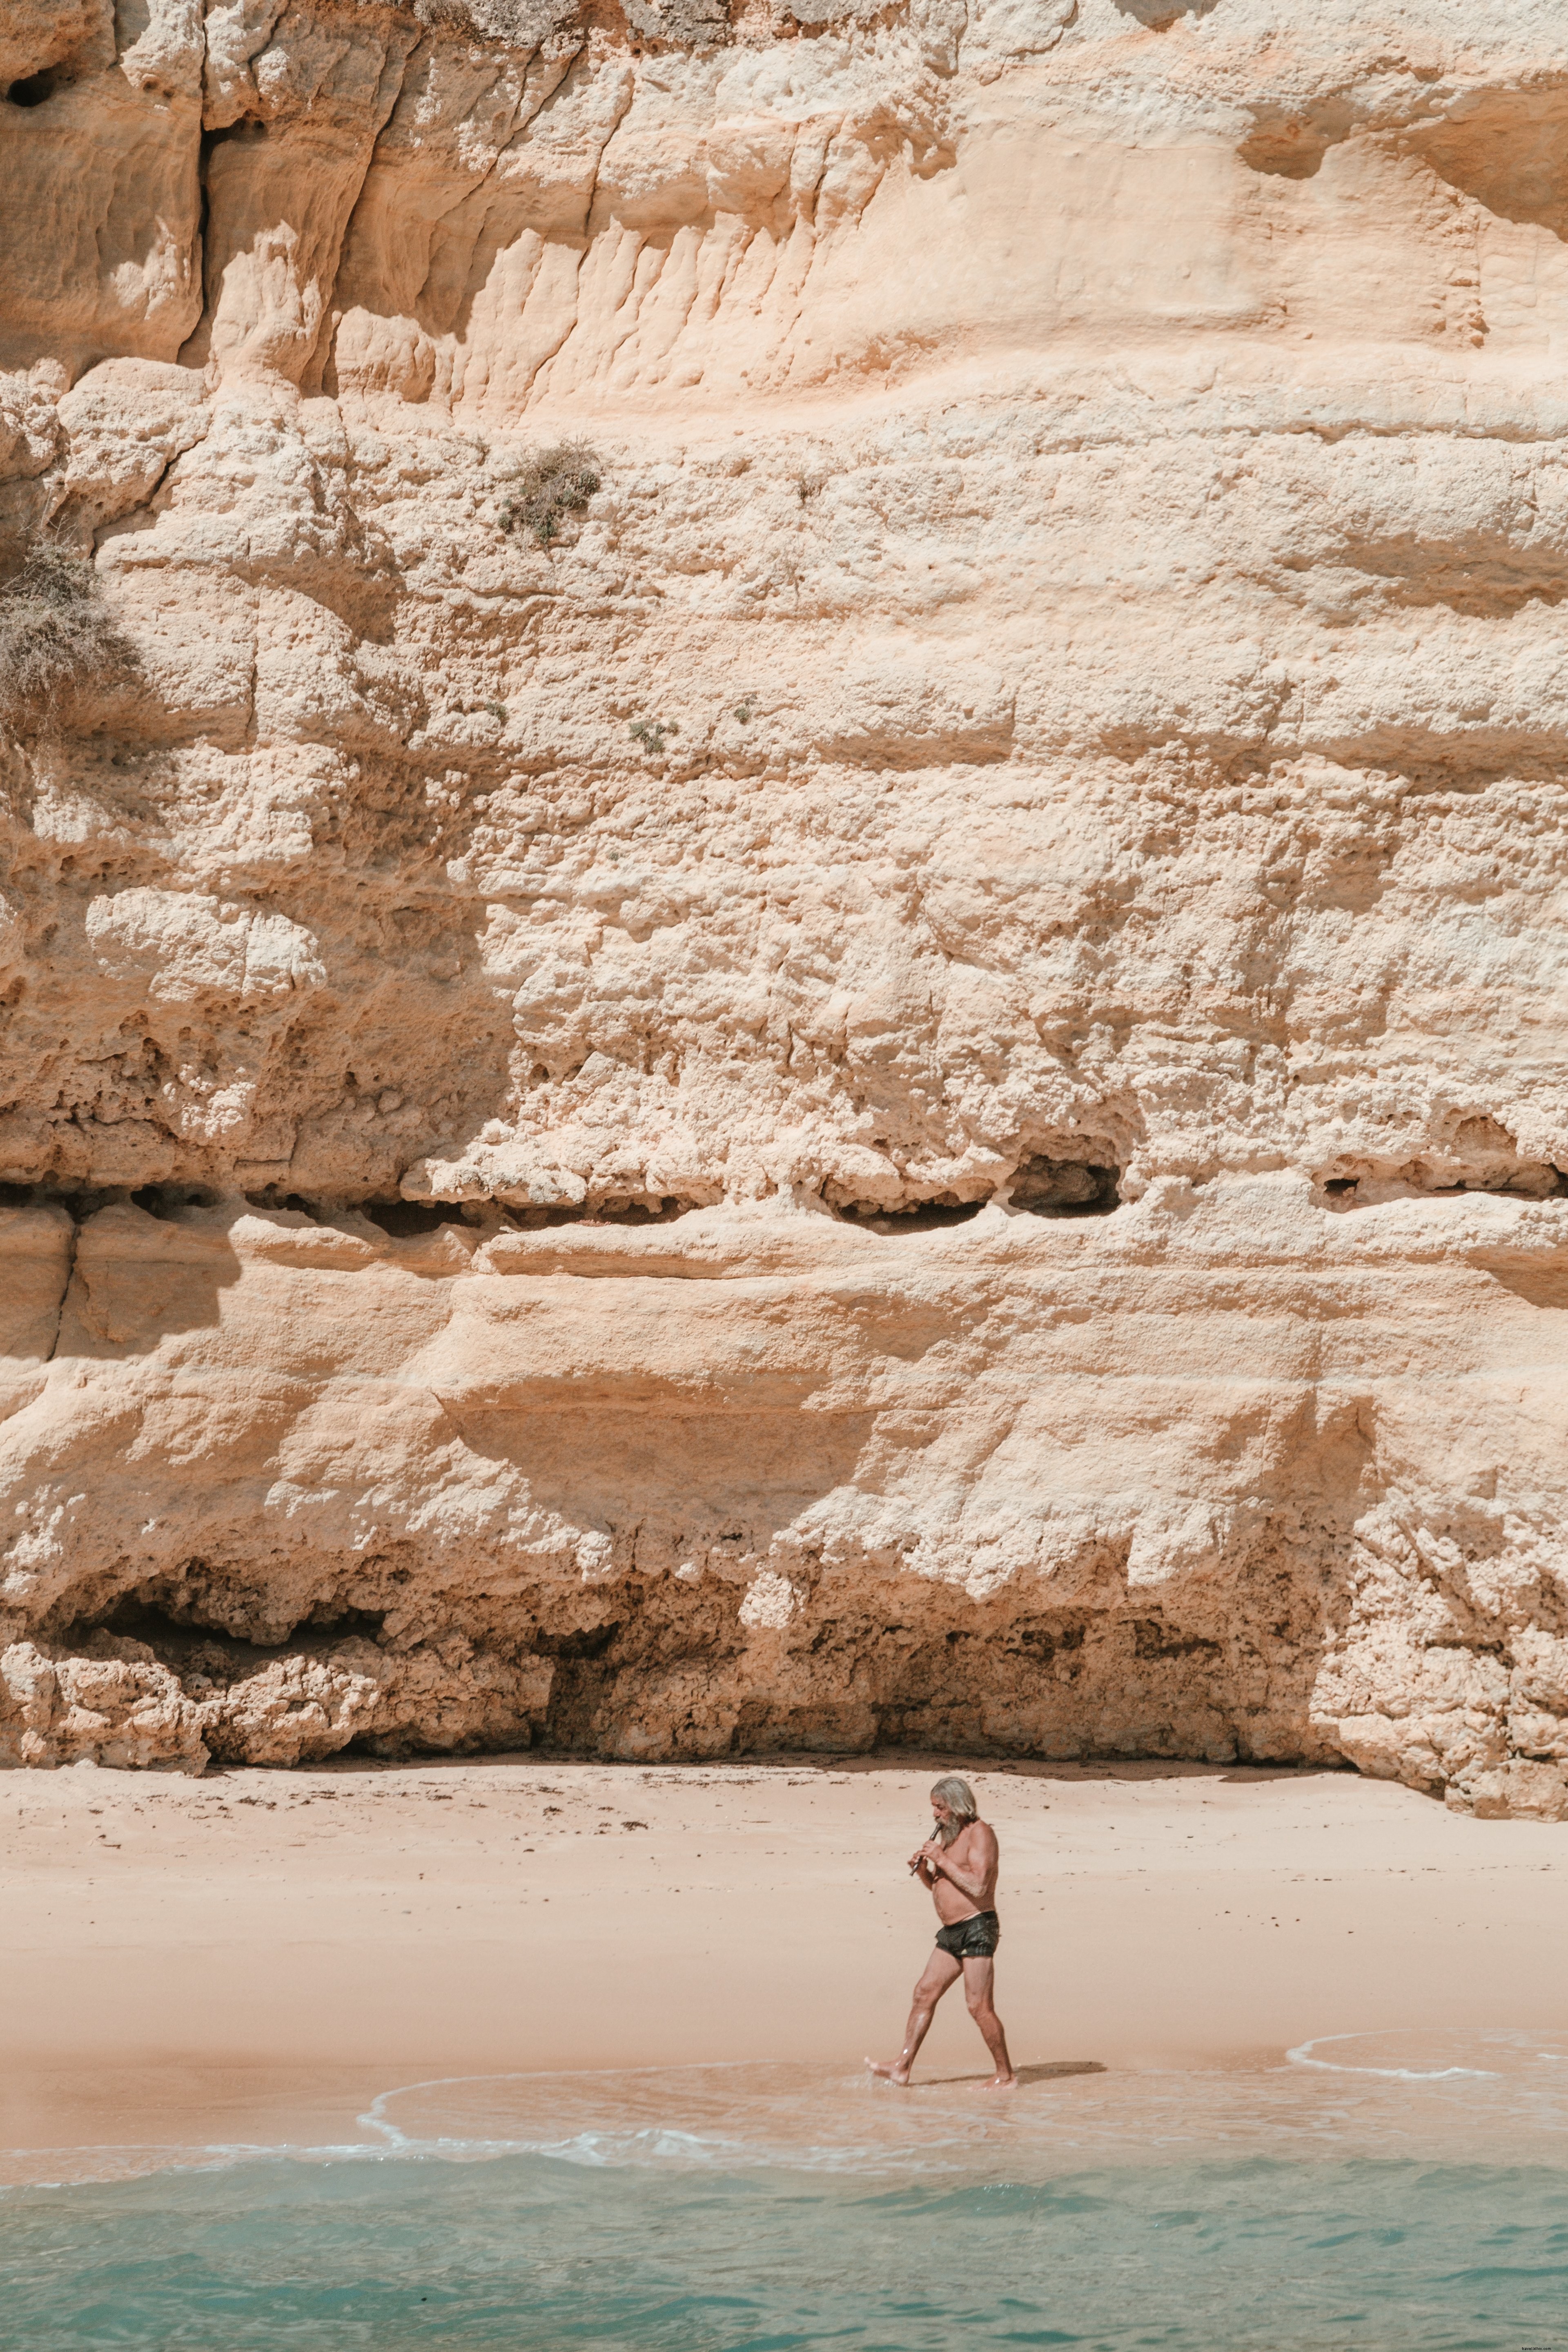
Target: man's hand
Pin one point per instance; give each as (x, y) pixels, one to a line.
(976, 1877)
(926, 1863)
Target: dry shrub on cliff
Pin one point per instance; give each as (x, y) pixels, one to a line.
(554, 482)
(55, 637)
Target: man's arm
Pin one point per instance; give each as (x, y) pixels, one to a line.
(978, 1876)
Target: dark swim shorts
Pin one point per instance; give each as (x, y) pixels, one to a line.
(975, 1938)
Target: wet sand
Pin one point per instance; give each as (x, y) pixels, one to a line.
(253, 1956)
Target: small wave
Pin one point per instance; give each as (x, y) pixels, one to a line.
(1301, 2056)
(100, 2165)
(375, 2117)
(735, 2116)
(585, 2146)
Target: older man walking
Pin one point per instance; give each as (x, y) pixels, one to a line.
(959, 1864)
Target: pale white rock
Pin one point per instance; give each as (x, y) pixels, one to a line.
(182, 947)
(770, 1601)
(999, 31)
(126, 421)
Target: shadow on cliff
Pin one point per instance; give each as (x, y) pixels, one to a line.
(657, 1647)
(1505, 148)
(139, 1275)
(667, 1658)
(1159, 15)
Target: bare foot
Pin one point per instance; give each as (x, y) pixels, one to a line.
(1000, 2082)
(898, 2074)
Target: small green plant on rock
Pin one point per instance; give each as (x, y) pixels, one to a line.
(55, 637)
(552, 484)
(651, 732)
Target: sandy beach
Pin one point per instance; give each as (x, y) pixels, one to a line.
(253, 1956)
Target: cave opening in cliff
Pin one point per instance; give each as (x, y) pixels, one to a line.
(406, 1220)
(142, 1617)
(412, 1220)
(1066, 1188)
(80, 1201)
(924, 1217)
(33, 88)
(616, 1209)
(164, 1201)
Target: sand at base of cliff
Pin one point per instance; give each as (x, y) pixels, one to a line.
(253, 1956)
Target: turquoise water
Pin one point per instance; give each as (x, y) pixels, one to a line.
(1315, 2206)
(530, 2251)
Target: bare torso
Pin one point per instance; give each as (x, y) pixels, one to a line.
(973, 1854)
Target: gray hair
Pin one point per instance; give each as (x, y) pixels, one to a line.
(959, 1798)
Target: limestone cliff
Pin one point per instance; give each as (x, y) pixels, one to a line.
(783, 838)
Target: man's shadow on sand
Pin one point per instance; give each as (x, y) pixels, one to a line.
(1056, 2070)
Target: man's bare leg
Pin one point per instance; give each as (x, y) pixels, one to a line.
(977, 1982)
(942, 1973)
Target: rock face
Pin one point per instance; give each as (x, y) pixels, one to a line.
(896, 1071)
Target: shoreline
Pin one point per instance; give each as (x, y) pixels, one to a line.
(255, 1956)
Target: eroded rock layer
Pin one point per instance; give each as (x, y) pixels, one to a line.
(784, 837)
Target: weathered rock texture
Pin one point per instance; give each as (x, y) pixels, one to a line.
(907, 1085)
